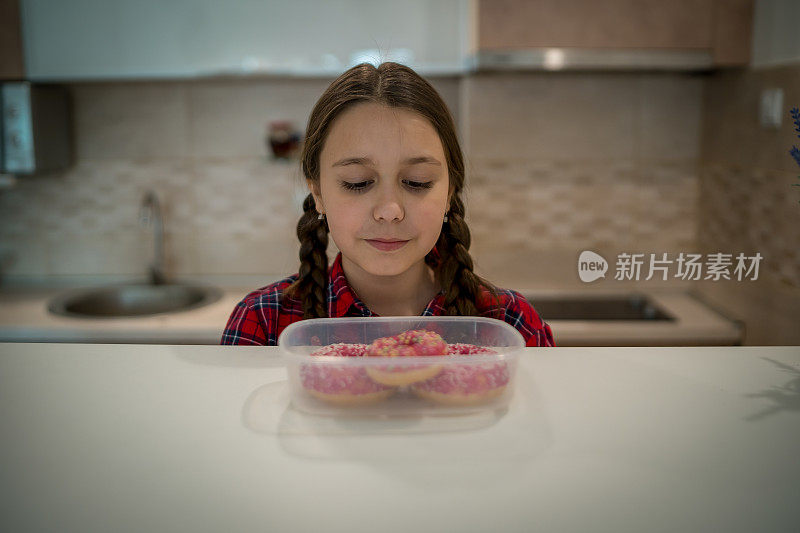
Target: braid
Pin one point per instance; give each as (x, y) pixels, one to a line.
(462, 286)
(312, 285)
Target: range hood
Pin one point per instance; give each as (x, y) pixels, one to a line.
(571, 59)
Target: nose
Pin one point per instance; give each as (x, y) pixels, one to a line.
(389, 205)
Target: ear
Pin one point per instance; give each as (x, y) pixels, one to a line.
(313, 188)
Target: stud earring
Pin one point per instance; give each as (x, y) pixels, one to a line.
(321, 216)
(445, 217)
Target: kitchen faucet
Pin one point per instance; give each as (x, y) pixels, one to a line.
(150, 214)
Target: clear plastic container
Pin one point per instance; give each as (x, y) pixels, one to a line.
(456, 383)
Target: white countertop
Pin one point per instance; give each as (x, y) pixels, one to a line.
(202, 438)
(24, 318)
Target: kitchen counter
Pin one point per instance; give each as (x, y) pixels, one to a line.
(24, 318)
(202, 438)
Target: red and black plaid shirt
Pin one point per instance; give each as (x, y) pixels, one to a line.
(261, 316)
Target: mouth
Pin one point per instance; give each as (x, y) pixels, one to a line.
(386, 245)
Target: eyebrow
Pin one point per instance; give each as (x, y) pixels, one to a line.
(366, 161)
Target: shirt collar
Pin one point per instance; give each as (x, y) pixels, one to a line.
(341, 297)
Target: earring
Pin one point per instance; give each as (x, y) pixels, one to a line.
(445, 217)
(321, 216)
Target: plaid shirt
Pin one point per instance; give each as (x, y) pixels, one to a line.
(261, 316)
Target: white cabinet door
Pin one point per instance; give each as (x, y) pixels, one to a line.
(107, 39)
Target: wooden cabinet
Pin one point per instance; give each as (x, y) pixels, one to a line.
(120, 39)
(11, 62)
(721, 28)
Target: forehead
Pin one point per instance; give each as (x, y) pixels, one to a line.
(381, 133)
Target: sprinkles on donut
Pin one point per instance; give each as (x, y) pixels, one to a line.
(407, 344)
(465, 384)
(457, 384)
(342, 384)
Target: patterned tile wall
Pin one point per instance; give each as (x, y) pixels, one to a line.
(229, 210)
(567, 162)
(747, 172)
(556, 163)
(748, 202)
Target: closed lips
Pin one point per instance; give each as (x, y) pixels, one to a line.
(386, 245)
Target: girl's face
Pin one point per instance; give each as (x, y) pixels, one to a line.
(384, 187)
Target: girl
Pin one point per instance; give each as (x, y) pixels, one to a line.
(385, 174)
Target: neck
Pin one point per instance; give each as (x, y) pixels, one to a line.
(405, 294)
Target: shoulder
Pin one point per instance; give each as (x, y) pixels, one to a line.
(514, 309)
(269, 296)
(258, 318)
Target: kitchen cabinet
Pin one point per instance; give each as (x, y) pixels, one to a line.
(119, 39)
(11, 63)
(625, 33)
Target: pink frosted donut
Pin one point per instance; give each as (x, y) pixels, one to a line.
(407, 344)
(342, 385)
(467, 349)
(465, 384)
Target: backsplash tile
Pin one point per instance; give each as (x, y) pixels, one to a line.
(748, 203)
(670, 116)
(556, 163)
(230, 118)
(246, 197)
(581, 205)
(131, 120)
(543, 116)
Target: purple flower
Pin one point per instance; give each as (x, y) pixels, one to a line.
(795, 152)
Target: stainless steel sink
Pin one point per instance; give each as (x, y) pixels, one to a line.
(133, 300)
(622, 307)
(138, 299)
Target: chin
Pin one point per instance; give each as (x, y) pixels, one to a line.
(388, 264)
(387, 267)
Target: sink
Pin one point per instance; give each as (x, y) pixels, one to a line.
(622, 307)
(138, 299)
(133, 300)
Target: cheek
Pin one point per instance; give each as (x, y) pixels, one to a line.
(345, 221)
(433, 207)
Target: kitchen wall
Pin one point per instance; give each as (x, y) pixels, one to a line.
(557, 163)
(747, 198)
(230, 212)
(748, 202)
(568, 162)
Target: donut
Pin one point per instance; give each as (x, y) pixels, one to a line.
(407, 344)
(465, 384)
(342, 384)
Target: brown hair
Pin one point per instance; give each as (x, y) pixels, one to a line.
(393, 85)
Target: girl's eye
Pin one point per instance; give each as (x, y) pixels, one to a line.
(357, 187)
(362, 185)
(418, 185)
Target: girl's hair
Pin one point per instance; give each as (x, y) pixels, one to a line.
(392, 85)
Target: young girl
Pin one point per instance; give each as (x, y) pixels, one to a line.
(385, 171)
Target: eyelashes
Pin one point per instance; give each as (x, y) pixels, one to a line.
(362, 186)
(355, 187)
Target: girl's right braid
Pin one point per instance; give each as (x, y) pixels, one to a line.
(311, 286)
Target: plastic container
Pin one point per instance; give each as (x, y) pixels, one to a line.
(446, 384)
